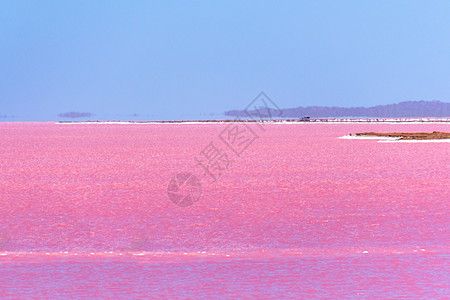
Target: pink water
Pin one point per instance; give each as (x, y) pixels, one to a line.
(299, 214)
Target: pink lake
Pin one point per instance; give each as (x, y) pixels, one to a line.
(299, 213)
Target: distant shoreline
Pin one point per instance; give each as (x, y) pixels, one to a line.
(435, 135)
(282, 121)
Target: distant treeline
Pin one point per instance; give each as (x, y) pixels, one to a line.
(408, 109)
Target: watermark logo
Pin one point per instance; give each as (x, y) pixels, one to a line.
(185, 189)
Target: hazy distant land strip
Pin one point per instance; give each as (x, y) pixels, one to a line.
(74, 115)
(275, 121)
(407, 109)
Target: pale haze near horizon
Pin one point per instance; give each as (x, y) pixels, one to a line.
(188, 60)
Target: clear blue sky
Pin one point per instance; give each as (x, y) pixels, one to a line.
(181, 59)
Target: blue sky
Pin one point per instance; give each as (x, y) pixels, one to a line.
(186, 59)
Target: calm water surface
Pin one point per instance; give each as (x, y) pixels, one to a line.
(299, 213)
